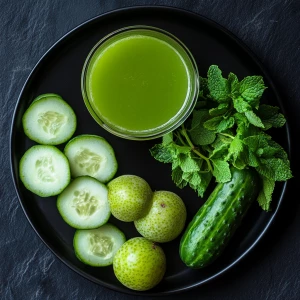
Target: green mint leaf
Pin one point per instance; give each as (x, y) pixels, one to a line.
(213, 123)
(177, 178)
(176, 163)
(241, 162)
(238, 154)
(265, 195)
(254, 119)
(217, 85)
(256, 142)
(204, 183)
(253, 160)
(251, 89)
(203, 82)
(220, 151)
(221, 170)
(256, 148)
(236, 147)
(241, 105)
(178, 150)
(280, 151)
(221, 109)
(167, 139)
(189, 164)
(233, 83)
(272, 150)
(226, 124)
(168, 151)
(275, 169)
(198, 133)
(187, 176)
(223, 106)
(241, 121)
(177, 154)
(221, 141)
(270, 116)
(161, 153)
(199, 182)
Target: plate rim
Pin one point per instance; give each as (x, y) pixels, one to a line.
(244, 47)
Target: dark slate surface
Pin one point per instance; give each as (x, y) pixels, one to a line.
(28, 269)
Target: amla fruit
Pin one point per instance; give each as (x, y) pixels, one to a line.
(129, 197)
(139, 264)
(165, 220)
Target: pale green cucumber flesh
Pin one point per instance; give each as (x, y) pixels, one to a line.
(44, 170)
(97, 247)
(91, 155)
(83, 204)
(49, 120)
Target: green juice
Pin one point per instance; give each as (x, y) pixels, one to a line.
(136, 82)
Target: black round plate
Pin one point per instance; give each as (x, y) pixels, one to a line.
(59, 72)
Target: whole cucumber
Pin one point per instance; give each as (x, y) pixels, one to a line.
(210, 230)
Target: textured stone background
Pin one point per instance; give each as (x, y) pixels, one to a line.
(28, 269)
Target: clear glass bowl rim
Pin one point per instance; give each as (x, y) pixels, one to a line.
(165, 128)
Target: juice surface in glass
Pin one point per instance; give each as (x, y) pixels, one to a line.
(137, 82)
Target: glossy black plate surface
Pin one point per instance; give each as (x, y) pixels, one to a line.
(59, 71)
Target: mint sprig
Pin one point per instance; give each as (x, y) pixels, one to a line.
(227, 128)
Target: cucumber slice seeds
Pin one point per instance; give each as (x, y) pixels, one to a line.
(49, 120)
(44, 170)
(91, 155)
(83, 204)
(97, 247)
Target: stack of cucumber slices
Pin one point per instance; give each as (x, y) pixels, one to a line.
(76, 175)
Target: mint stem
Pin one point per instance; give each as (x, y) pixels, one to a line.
(184, 133)
(181, 139)
(226, 134)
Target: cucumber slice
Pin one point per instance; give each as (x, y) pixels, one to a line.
(49, 120)
(97, 247)
(91, 155)
(83, 204)
(44, 170)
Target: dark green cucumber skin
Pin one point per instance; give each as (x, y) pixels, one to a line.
(210, 230)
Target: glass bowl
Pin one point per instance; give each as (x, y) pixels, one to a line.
(95, 102)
